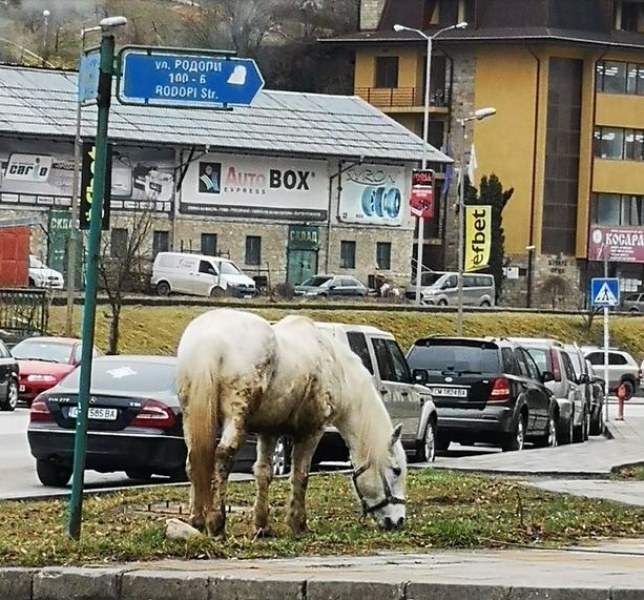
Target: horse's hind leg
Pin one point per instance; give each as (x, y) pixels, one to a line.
(303, 450)
(263, 471)
(233, 435)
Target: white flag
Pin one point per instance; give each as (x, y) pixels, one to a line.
(471, 167)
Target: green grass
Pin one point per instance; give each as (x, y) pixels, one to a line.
(157, 330)
(445, 510)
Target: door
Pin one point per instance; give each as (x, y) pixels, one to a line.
(302, 264)
(5, 370)
(537, 397)
(396, 386)
(204, 278)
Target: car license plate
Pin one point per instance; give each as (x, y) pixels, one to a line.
(450, 392)
(100, 414)
(22, 388)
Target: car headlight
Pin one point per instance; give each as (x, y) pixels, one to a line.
(43, 378)
(311, 293)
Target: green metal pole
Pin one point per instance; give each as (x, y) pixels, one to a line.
(89, 312)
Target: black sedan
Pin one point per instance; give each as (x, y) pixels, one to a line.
(8, 379)
(134, 422)
(331, 286)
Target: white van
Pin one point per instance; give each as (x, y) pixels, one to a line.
(200, 275)
(440, 288)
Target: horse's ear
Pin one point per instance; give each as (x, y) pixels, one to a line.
(395, 435)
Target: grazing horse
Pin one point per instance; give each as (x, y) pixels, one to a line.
(237, 373)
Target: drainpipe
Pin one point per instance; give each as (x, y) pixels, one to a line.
(341, 170)
(533, 193)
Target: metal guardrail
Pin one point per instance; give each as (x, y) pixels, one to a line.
(23, 312)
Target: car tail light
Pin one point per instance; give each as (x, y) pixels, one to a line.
(39, 412)
(639, 374)
(500, 391)
(556, 367)
(154, 414)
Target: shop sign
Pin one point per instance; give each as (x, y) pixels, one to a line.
(303, 237)
(623, 244)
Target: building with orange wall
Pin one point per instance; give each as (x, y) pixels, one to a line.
(567, 81)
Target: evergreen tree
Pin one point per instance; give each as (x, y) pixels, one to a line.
(491, 193)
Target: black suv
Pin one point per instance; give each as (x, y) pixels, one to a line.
(486, 390)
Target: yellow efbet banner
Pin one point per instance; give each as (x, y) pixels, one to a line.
(478, 236)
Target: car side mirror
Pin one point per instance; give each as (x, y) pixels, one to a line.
(583, 378)
(547, 376)
(420, 376)
(332, 287)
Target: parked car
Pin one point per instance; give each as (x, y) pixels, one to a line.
(634, 303)
(41, 276)
(331, 286)
(585, 376)
(8, 379)
(574, 413)
(441, 289)
(486, 390)
(200, 275)
(622, 369)
(599, 396)
(43, 361)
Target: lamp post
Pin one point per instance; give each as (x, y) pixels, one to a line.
(478, 115)
(420, 220)
(45, 16)
(98, 195)
(531, 249)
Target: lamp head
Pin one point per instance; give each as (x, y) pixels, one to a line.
(112, 22)
(398, 27)
(461, 25)
(484, 113)
(45, 13)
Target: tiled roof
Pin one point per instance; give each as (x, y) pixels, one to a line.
(42, 103)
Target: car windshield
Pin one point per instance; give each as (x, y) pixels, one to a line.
(316, 281)
(427, 279)
(439, 357)
(228, 268)
(39, 350)
(542, 357)
(126, 376)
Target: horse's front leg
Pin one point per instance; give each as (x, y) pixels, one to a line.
(263, 471)
(232, 437)
(303, 450)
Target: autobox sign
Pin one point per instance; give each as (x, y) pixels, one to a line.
(624, 244)
(373, 194)
(252, 187)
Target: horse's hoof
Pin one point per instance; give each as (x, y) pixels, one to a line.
(263, 533)
(198, 523)
(216, 527)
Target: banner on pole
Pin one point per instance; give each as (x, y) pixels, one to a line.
(87, 187)
(478, 236)
(422, 193)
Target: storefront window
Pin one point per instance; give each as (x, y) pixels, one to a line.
(612, 142)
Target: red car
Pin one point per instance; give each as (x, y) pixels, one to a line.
(44, 361)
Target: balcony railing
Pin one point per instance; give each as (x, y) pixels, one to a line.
(402, 97)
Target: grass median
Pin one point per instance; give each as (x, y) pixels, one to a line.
(445, 510)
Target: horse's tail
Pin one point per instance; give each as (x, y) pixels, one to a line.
(199, 390)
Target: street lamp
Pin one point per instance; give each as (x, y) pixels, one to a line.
(428, 63)
(478, 115)
(103, 100)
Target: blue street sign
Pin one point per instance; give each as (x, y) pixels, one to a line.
(88, 76)
(604, 291)
(186, 80)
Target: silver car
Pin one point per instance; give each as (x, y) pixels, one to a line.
(634, 303)
(622, 369)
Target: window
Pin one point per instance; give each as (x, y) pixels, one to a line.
(523, 367)
(207, 267)
(634, 144)
(595, 358)
(391, 361)
(4, 352)
(618, 210)
(632, 13)
(253, 250)
(509, 364)
(401, 368)
(209, 244)
(568, 368)
(347, 255)
(532, 366)
(160, 242)
(358, 343)
(616, 359)
(385, 368)
(386, 75)
(383, 255)
(615, 77)
(611, 142)
(118, 242)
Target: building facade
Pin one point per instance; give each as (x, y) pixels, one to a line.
(293, 185)
(567, 82)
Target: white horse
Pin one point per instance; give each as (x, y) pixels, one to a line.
(237, 373)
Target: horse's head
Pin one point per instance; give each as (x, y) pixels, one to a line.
(381, 485)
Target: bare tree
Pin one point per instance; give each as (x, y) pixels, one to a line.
(122, 268)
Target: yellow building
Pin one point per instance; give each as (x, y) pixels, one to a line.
(566, 78)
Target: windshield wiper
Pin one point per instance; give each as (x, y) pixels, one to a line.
(463, 372)
(49, 360)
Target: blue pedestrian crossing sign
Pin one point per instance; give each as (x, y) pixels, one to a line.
(604, 291)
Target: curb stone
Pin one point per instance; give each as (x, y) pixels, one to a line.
(76, 583)
(16, 583)
(229, 588)
(161, 585)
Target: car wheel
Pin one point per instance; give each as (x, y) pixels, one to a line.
(281, 458)
(217, 292)
(580, 431)
(163, 288)
(549, 439)
(629, 389)
(426, 448)
(485, 304)
(597, 423)
(51, 474)
(567, 430)
(11, 399)
(516, 440)
(141, 474)
(442, 303)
